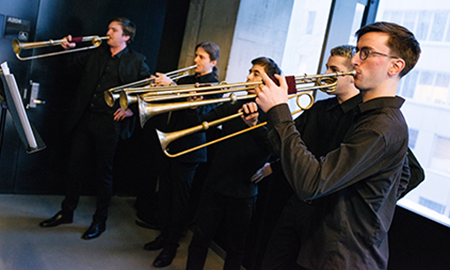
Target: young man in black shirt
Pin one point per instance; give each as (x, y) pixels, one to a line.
(323, 127)
(360, 181)
(177, 174)
(228, 194)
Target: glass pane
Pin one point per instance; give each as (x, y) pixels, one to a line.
(440, 159)
(425, 86)
(410, 20)
(397, 16)
(439, 23)
(359, 13)
(291, 34)
(427, 106)
(412, 138)
(423, 25)
(409, 84)
(303, 46)
(440, 91)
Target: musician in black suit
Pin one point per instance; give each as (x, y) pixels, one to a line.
(177, 173)
(96, 127)
(228, 195)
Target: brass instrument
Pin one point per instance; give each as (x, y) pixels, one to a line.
(158, 93)
(19, 46)
(112, 94)
(166, 138)
(324, 82)
(327, 83)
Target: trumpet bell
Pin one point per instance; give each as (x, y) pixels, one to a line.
(17, 47)
(110, 98)
(125, 100)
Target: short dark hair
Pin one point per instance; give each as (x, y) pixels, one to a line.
(270, 67)
(344, 51)
(213, 50)
(401, 42)
(128, 27)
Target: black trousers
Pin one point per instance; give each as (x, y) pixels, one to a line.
(212, 210)
(96, 135)
(174, 193)
(285, 242)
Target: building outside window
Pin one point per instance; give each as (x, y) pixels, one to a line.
(427, 107)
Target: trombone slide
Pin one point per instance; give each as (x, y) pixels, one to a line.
(19, 46)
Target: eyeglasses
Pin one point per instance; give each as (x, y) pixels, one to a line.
(365, 52)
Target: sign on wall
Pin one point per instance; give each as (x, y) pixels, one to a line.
(17, 28)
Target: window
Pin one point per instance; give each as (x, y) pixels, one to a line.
(425, 85)
(408, 86)
(440, 91)
(410, 20)
(439, 22)
(440, 159)
(311, 20)
(427, 108)
(423, 24)
(412, 138)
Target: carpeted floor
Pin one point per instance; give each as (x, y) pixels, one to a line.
(26, 246)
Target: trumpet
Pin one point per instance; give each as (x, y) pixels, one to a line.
(19, 46)
(328, 86)
(112, 94)
(158, 93)
(325, 82)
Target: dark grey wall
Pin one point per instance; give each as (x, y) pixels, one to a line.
(160, 28)
(28, 10)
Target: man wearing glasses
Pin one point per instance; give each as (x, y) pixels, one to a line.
(359, 182)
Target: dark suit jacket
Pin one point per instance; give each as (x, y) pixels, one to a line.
(188, 118)
(132, 68)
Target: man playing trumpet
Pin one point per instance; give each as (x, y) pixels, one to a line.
(228, 194)
(360, 181)
(177, 174)
(96, 127)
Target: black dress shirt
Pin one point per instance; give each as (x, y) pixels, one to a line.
(238, 158)
(132, 67)
(108, 79)
(355, 187)
(324, 126)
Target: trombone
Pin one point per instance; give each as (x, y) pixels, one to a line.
(325, 82)
(158, 93)
(328, 85)
(112, 94)
(19, 46)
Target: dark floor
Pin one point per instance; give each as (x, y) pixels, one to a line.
(26, 246)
